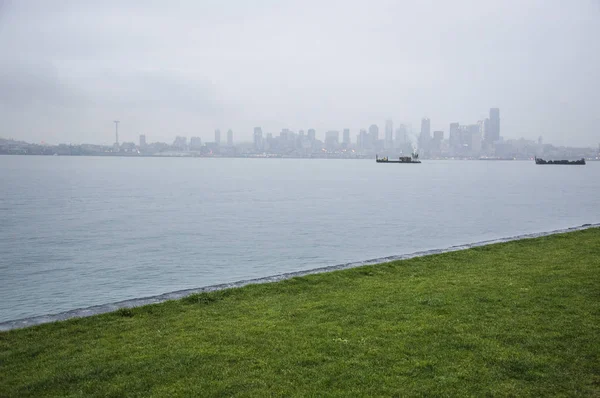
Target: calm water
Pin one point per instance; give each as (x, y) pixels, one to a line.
(81, 231)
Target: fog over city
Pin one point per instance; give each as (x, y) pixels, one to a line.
(69, 68)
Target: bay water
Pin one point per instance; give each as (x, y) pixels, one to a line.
(83, 231)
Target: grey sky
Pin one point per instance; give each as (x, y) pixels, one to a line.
(69, 68)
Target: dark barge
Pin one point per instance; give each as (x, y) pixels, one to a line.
(542, 161)
(402, 159)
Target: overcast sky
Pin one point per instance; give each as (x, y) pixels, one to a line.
(167, 68)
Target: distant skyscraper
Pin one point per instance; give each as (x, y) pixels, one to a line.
(426, 127)
(332, 139)
(142, 140)
(311, 135)
(436, 142)
(258, 139)
(363, 140)
(494, 127)
(389, 134)
(454, 136)
(473, 138)
(346, 137)
(180, 143)
(374, 134)
(401, 136)
(195, 143)
(284, 135)
(425, 135)
(301, 141)
(116, 133)
(292, 139)
(482, 127)
(217, 136)
(485, 133)
(229, 137)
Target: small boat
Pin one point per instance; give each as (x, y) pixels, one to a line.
(414, 158)
(542, 161)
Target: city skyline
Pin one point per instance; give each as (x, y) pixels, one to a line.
(246, 135)
(67, 70)
(489, 129)
(408, 131)
(481, 139)
(490, 132)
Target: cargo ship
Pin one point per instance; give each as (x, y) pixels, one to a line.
(542, 161)
(414, 158)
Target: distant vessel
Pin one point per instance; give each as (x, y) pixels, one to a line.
(414, 158)
(542, 161)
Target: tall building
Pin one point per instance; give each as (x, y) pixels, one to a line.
(346, 137)
(436, 142)
(473, 139)
(195, 143)
(374, 135)
(476, 144)
(485, 133)
(454, 136)
(284, 134)
(301, 141)
(268, 143)
(311, 135)
(483, 126)
(425, 135)
(494, 126)
(292, 139)
(143, 140)
(389, 134)
(229, 137)
(180, 143)
(116, 133)
(258, 139)
(332, 139)
(363, 140)
(217, 136)
(401, 136)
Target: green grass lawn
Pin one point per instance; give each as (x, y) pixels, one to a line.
(512, 319)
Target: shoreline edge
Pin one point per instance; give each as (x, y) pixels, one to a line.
(138, 302)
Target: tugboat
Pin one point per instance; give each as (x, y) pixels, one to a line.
(542, 161)
(414, 158)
